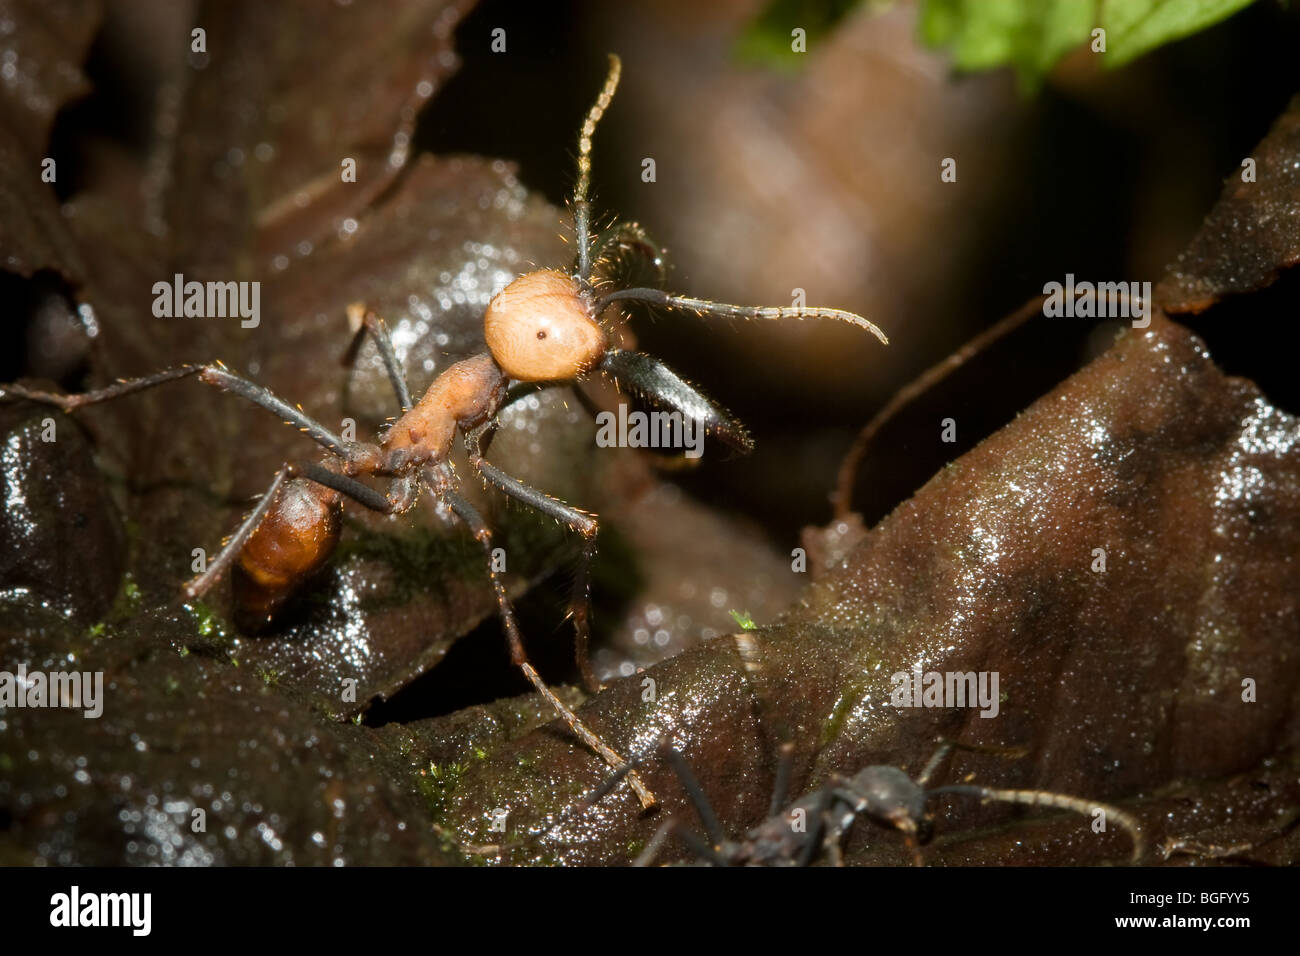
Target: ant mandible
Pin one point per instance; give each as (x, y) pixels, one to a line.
(544, 328)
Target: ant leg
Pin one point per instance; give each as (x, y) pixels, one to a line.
(675, 827)
(399, 499)
(829, 834)
(781, 785)
(219, 376)
(214, 374)
(948, 746)
(945, 748)
(581, 207)
(1036, 798)
(201, 584)
(913, 845)
(362, 494)
(666, 829)
(123, 387)
(581, 522)
(712, 827)
(474, 521)
(365, 320)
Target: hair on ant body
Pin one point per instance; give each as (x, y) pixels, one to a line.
(545, 328)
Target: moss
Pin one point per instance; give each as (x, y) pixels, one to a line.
(206, 622)
(437, 783)
(126, 604)
(417, 557)
(744, 620)
(840, 713)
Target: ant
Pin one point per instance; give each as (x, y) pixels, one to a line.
(817, 824)
(546, 327)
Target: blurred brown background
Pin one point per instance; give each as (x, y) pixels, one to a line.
(827, 179)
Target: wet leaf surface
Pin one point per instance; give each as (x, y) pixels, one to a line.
(41, 48)
(113, 510)
(259, 153)
(275, 783)
(1253, 232)
(61, 544)
(1187, 479)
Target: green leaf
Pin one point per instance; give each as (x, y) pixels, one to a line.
(1134, 27)
(1033, 35)
(1029, 35)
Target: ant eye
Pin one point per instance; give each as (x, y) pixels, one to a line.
(541, 333)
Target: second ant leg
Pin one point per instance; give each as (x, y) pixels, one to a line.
(691, 784)
(474, 521)
(367, 321)
(214, 374)
(584, 524)
(781, 785)
(948, 746)
(832, 833)
(675, 827)
(230, 549)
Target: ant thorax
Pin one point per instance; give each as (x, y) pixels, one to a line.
(467, 392)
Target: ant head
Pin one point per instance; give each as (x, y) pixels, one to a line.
(890, 796)
(542, 328)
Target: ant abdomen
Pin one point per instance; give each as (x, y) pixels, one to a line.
(292, 542)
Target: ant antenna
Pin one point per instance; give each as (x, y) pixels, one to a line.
(705, 307)
(1037, 798)
(842, 497)
(581, 207)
